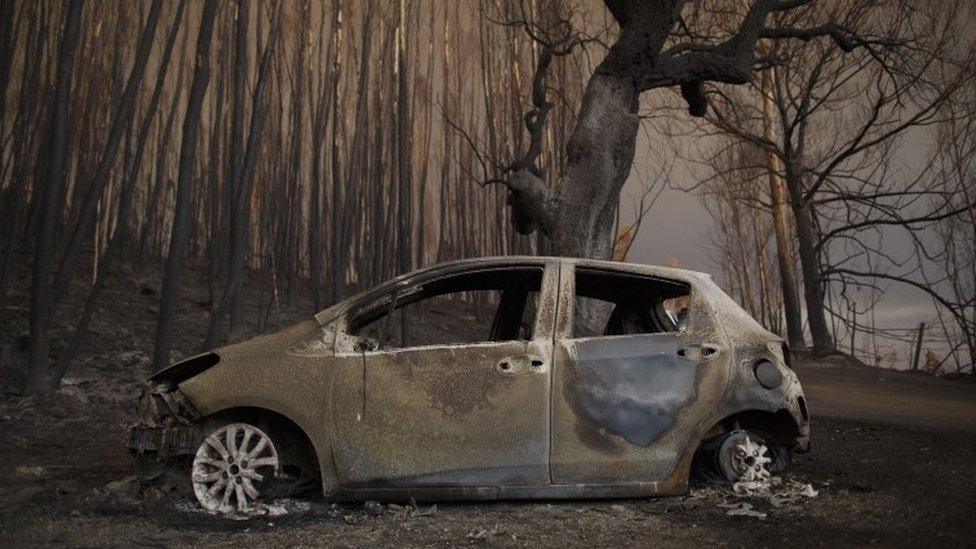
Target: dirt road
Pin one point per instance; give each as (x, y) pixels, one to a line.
(837, 388)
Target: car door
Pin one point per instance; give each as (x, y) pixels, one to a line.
(623, 397)
(449, 413)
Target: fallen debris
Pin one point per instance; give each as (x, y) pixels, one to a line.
(478, 534)
(274, 508)
(756, 481)
(374, 508)
(742, 509)
(29, 470)
(415, 511)
(126, 483)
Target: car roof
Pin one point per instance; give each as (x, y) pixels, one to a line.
(682, 275)
(538, 260)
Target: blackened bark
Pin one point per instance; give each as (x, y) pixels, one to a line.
(160, 177)
(188, 149)
(404, 168)
(6, 53)
(337, 267)
(315, 198)
(823, 342)
(315, 202)
(601, 151)
(125, 201)
(51, 188)
(215, 243)
(120, 122)
(237, 123)
(16, 206)
(577, 213)
(241, 218)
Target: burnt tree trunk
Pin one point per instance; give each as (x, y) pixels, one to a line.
(778, 205)
(181, 216)
(241, 195)
(404, 168)
(600, 153)
(823, 342)
(337, 255)
(16, 204)
(51, 189)
(125, 202)
(577, 212)
(6, 55)
(120, 122)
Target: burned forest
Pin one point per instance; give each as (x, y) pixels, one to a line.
(515, 272)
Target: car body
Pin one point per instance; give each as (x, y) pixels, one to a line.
(536, 409)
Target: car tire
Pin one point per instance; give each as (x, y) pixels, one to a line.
(234, 466)
(716, 463)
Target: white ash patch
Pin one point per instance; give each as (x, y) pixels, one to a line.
(276, 508)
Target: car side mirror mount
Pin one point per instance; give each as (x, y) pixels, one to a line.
(365, 344)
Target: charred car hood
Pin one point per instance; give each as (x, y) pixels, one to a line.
(266, 346)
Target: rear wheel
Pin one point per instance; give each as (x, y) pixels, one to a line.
(742, 456)
(234, 464)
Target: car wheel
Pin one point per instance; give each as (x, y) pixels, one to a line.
(232, 466)
(741, 455)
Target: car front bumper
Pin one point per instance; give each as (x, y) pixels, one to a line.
(166, 426)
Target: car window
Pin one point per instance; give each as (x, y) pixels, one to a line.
(610, 303)
(474, 307)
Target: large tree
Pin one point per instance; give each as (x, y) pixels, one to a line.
(658, 45)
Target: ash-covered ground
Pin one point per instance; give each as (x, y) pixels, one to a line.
(66, 479)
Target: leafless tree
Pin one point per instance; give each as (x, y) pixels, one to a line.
(658, 45)
(188, 149)
(358, 170)
(839, 117)
(51, 187)
(945, 255)
(741, 204)
(114, 245)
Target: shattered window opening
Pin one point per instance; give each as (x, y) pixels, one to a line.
(494, 305)
(613, 304)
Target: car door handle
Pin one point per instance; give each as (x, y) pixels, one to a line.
(517, 364)
(698, 352)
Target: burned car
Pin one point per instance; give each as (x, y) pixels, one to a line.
(509, 377)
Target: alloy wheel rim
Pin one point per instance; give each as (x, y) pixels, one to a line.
(749, 461)
(229, 466)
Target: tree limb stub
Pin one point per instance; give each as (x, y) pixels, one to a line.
(531, 201)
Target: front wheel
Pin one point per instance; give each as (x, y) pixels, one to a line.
(232, 466)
